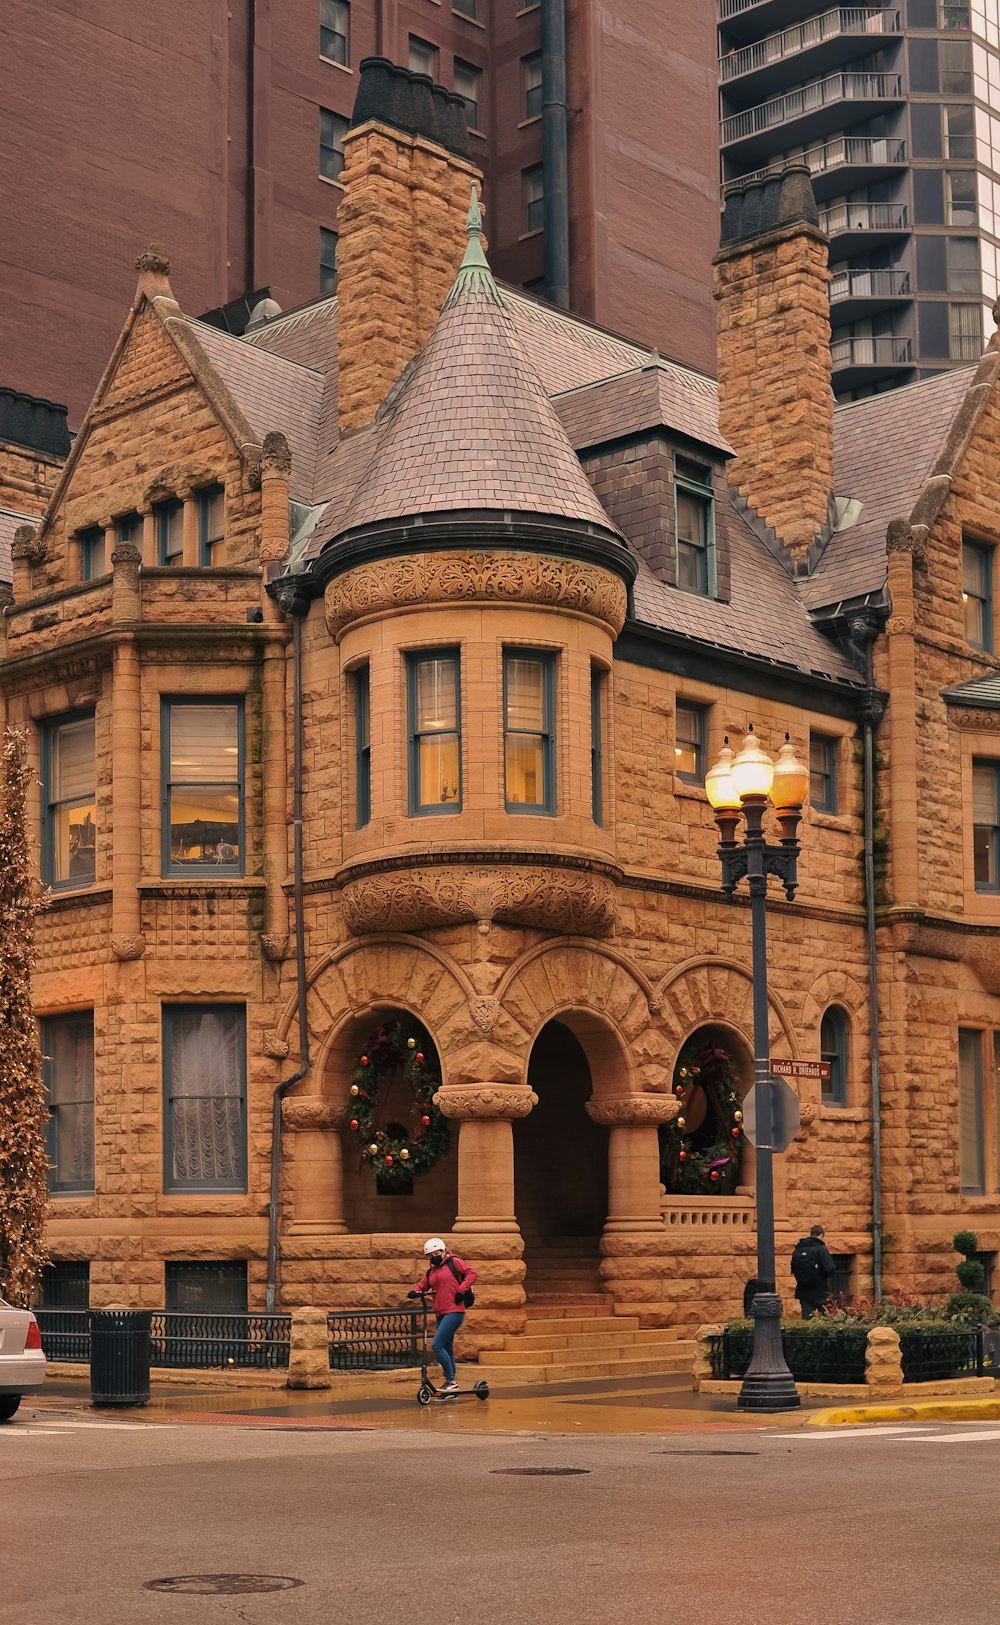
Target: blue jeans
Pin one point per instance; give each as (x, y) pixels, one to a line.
(444, 1337)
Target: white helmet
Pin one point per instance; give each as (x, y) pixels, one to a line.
(435, 1245)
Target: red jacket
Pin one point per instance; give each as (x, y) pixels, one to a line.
(442, 1284)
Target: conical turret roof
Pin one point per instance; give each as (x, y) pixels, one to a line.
(471, 427)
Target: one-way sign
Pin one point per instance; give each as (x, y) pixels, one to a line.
(784, 1114)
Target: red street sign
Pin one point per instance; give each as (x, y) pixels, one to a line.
(801, 1069)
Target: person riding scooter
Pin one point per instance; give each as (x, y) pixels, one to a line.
(447, 1279)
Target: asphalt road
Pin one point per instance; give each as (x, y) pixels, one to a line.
(881, 1527)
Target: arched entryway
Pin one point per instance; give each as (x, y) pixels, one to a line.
(560, 1171)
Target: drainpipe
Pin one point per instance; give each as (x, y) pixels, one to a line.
(292, 603)
(862, 635)
(555, 153)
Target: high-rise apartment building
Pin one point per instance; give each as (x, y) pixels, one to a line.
(896, 111)
(215, 127)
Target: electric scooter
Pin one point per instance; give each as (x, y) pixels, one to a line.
(429, 1390)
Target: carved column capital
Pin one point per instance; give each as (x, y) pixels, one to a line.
(633, 1111)
(485, 1100)
(128, 946)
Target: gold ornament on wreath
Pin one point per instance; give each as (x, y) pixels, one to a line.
(397, 1152)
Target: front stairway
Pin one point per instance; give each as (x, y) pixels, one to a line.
(573, 1333)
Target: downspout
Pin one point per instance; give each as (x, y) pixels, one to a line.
(863, 635)
(555, 153)
(293, 603)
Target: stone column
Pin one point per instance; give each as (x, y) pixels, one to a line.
(317, 1164)
(191, 539)
(485, 1113)
(126, 725)
(633, 1159)
(277, 800)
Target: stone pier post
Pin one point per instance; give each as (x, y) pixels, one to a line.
(485, 1113)
(633, 1159)
(317, 1164)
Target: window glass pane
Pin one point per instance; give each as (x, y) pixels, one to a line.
(833, 1050)
(362, 746)
(204, 1086)
(170, 533)
(206, 1289)
(984, 818)
(525, 770)
(961, 196)
(528, 742)
(823, 773)
(332, 129)
(596, 748)
(531, 69)
(93, 554)
(437, 766)
(436, 694)
(66, 1284)
(467, 81)
(205, 826)
(691, 518)
(965, 332)
(466, 8)
(211, 518)
(435, 743)
(970, 1110)
(204, 785)
(977, 594)
(526, 694)
(423, 57)
(72, 802)
(963, 264)
(129, 528)
(68, 1075)
(532, 185)
(327, 260)
(204, 743)
(333, 30)
(960, 140)
(689, 735)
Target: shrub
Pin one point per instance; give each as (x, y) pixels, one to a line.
(971, 1306)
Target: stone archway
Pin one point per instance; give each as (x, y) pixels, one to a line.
(560, 1154)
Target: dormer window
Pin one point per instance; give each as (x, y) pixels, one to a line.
(695, 520)
(93, 553)
(169, 532)
(211, 524)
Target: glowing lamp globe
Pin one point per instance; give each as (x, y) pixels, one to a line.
(753, 769)
(719, 787)
(791, 778)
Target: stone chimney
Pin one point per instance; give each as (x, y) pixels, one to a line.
(776, 398)
(402, 227)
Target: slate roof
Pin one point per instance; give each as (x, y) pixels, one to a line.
(980, 691)
(658, 393)
(9, 523)
(884, 449)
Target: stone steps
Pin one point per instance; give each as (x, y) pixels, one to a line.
(580, 1346)
(655, 1361)
(549, 1310)
(590, 1339)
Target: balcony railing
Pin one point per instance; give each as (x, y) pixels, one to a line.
(791, 41)
(879, 352)
(837, 87)
(863, 217)
(869, 285)
(869, 151)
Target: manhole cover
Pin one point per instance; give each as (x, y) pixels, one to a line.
(222, 1585)
(538, 1472)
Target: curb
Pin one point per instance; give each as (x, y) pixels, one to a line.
(927, 1410)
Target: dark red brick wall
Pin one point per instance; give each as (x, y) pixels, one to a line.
(126, 124)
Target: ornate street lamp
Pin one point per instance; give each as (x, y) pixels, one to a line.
(742, 787)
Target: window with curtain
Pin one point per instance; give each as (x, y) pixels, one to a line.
(169, 532)
(695, 520)
(362, 746)
(977, 595)
(529, 731)
(332, 130)
(204, 1087)
(335, 30)
(986, 825)
(433, 707)
(833, 1040)
(202, 775)
(211, 524)
(69, 802)
(971, 1128)
(531, 83)
(67, 1044)
(422, 56)
(965, 332)
(468, 83)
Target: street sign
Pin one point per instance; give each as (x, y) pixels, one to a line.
(784, 1114)
(801, 1069)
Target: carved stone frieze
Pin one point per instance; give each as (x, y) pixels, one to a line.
(274, 1045)
(312, 1112)
(485, 1100)
(485, 1013)
(985, 721)
(561, 899)
(128, 947)
(633, 1110)
(487, 577)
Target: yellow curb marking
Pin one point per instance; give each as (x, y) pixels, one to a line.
(927, 1410)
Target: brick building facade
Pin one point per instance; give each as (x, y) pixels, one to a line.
(375, 678)
(217, 131)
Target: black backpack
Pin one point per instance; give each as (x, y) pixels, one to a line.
(806, 1266)
(467, 1298)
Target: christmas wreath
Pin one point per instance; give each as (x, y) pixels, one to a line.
(700, 1150)
(394, 1153)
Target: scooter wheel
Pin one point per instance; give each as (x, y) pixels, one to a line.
(482, 1390)
(424, 1396)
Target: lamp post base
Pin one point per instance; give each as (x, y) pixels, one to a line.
(768, 1384)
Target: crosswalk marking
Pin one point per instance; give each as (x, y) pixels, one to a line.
(24, 1426)
(970, 1432)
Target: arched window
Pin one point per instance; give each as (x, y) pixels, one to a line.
(833, 1047)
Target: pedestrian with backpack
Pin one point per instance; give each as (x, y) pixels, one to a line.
(449, 1282)
(812, 1267)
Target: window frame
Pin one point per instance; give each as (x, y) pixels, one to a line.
(829, 802)
(703, 490)
(528, 64)
(460, 65)
(361, 680)
(171, 1280)
(975, 1046)
(56, 1186)
(547, 807)
(200, 871)
(332, 129)
(471, 14)
(89, 540)
(49, 728)
(529, 176)
(992, 887)
(163, 512)
(327, 28)
(128, 528)
(700, 742)
(417, 808)
(206, 543)
(984, 554)
(51, 1299)
(834, 1090)
(327, 269)
(950, 203)
(172, 1186)
(424, 46)
(597, 684)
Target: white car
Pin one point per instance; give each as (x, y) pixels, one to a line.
(22, 1363)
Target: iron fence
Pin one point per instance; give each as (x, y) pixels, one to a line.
(935, 1356)
(65, 1334)
(374, 1339)
(215, 1342)
(929, 1354)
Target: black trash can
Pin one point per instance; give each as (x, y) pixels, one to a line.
(119, 1356)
